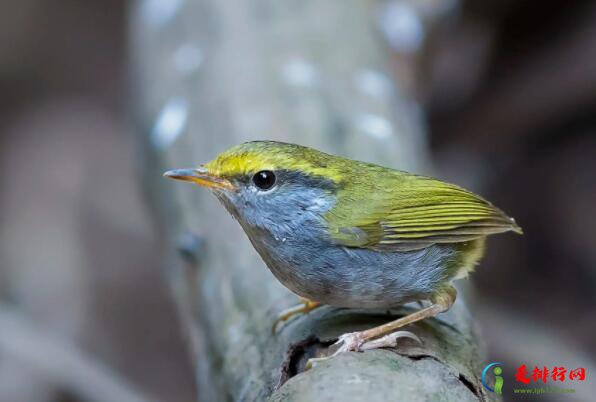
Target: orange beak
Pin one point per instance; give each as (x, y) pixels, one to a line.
(200, 176)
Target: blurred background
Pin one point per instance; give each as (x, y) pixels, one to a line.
(509, 93)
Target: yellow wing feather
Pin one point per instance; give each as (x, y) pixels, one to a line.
(407, 212)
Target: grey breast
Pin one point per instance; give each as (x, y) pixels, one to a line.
(308, 263)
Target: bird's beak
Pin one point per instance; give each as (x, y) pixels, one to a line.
(200, 176)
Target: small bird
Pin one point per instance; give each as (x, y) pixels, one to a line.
(344, 233)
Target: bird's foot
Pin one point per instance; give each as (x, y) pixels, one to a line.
(390, 340)
(350, 342)
(356, 342)
(386, 335)
(304, 307)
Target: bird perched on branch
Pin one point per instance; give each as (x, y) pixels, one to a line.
(351, 234)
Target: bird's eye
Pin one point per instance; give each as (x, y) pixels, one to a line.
(265, 179)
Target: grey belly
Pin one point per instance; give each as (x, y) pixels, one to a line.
(350, 277)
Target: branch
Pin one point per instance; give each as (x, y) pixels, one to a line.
(216, 73)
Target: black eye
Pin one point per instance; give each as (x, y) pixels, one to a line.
(265, 179)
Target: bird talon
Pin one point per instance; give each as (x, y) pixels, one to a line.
(304, 307)
(350, 342)
(390, 340)
(356, 342)
(313, 361)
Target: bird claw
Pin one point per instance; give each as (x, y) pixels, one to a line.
(304, 307)
(313, 361)
(354, 341)
(350, 342)
(390, 340)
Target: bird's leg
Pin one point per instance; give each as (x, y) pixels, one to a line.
(303, 307)
(385, 335)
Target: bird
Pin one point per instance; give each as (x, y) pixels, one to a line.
(351, 234)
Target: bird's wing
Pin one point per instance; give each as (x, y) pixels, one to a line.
(407, 212)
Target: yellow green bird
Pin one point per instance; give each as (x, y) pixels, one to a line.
(344, 233)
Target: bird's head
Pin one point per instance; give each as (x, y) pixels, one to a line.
(265, 183)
